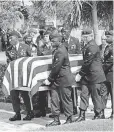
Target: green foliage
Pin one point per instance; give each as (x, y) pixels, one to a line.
(104, 13)
(67, 11)
(8, 14)
(2, 72)
(86, 14)
(73, 13)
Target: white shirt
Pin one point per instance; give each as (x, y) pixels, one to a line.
(68, 40)
(17, 46)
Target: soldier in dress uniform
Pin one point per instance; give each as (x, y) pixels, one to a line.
(15, 51)
(61, 79)
(92, 76)
(65, 38)
(3, 40)
(108, 65)
(40, 42)
(74, 46)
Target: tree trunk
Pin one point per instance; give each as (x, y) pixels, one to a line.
(0, 7)
(23, 2)
(95, 22)
(55, 19)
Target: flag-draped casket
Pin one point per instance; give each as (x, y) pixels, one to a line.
(30, 72)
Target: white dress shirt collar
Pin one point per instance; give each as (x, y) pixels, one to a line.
(17, 46)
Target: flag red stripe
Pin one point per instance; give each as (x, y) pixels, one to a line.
(39, 65)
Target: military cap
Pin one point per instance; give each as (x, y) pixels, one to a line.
(32, 30)
(47, 32)
(15, 33)
(52, 28)
(109, 33)
(86, 32)
(41, 31)
(62, 30)
(56, 35)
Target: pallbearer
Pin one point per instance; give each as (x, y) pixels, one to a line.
(61, 79)
(92, 76)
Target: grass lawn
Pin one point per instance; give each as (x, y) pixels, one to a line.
(87, 125)
(90, 125)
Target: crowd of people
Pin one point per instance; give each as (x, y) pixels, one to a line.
(95, 75)
(39, 40)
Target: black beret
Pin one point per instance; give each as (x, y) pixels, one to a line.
(47, 32)
(32, 30)
(109, 33)
(86, 32)
(52, 28)
(15, 33)
(42, 30)
(56, 35)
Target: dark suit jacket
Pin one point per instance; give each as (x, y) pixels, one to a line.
(61, 74)
(92, 71)
(13, 54)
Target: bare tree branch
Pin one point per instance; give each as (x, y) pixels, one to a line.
(88, 3)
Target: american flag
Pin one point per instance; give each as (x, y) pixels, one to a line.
(30, 72)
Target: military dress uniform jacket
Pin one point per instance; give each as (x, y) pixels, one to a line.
(108, 62)
(74, 46)
(61, 75)
(40, 45)
(47, 49)
(92, 71)
(23, 51)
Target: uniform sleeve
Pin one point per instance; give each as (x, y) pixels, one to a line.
(107, 53)
(78, 47)
(8, 52)
(28, 51)
(58, 61)
(90, 55)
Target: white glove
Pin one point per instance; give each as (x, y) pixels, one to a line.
(46, 82)
(33, 48)
(78, 77)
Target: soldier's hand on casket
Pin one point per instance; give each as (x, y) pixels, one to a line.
(46, 82)
(78, 77)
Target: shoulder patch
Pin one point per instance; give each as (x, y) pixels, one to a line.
(56, 59)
